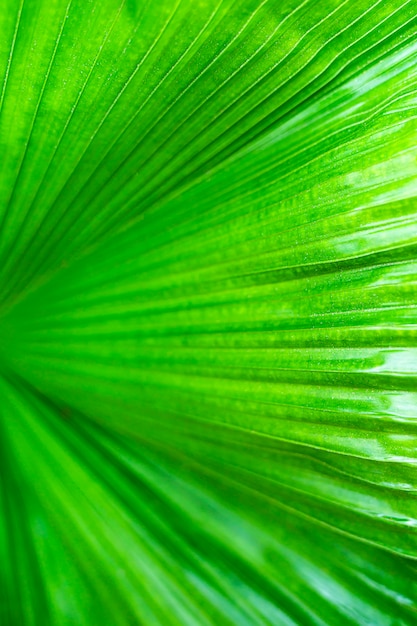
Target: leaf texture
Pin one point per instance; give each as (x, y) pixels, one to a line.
(208, 312)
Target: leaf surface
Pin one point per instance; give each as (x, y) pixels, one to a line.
(208, 312)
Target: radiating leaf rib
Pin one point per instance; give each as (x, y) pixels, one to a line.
(124, 468)
(208, 323)
(43, 245)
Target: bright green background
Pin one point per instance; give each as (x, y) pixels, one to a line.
(208, 305)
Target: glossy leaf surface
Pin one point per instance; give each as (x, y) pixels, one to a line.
(208, 302)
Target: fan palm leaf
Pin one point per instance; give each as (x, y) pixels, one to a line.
(208, 348)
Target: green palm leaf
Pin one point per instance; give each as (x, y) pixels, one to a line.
(208, 312)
